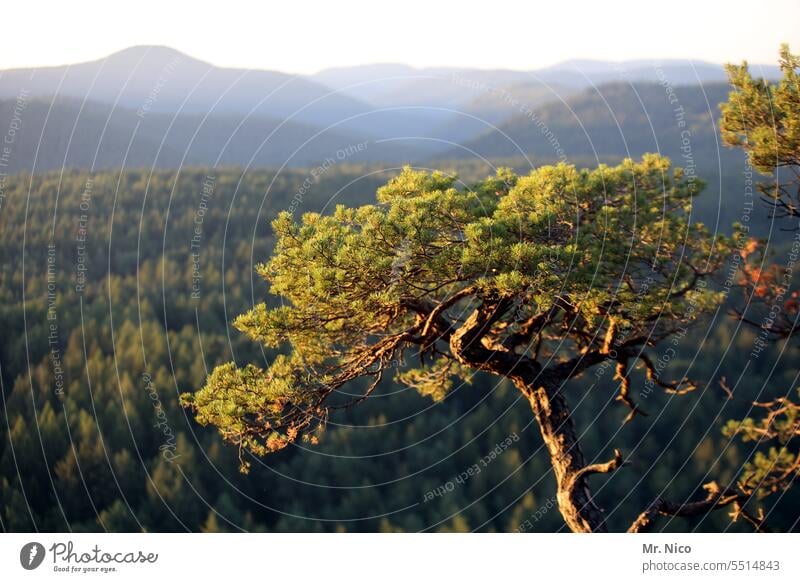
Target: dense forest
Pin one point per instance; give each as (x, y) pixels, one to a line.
(118, 289)
(201, 265)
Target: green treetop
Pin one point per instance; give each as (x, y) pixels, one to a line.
(764, 120)
(535, 279)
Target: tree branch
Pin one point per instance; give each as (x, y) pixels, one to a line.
(716, 498)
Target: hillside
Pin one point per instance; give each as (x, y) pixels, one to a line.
(614, 120)
(73, 134)
(152, 316)
(409, 114)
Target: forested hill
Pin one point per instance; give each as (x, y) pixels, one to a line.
(116, 295)
(152, 106)
(611, 122)
(71, 133)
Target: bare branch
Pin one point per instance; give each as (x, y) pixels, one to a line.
(606, 467)
(681, 387)
(716, 498)
(624, 390)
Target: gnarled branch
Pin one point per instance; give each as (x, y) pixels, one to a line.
(716, 498)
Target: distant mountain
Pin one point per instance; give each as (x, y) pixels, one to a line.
(432, 103)
(385, 85)
(495, 105)
(583, 73)
(182, 110)
(162, 80)
(159, 80)
(366, 81)
(453, 105)
(445, 87)
(613, 120)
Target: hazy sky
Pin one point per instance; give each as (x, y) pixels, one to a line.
(302, 36)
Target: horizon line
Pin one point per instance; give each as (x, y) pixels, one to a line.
(562, 63)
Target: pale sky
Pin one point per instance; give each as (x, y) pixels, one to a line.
(300, 36)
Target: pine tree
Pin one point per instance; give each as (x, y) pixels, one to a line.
(535, 279)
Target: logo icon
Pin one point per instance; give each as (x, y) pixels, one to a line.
(31, 555)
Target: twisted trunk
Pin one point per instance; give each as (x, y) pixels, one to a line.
(541, 388)
(569, 466)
